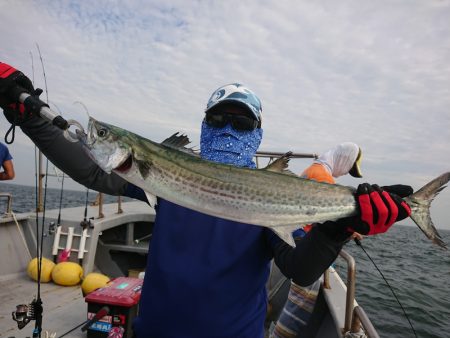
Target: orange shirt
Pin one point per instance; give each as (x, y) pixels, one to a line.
(319, 173)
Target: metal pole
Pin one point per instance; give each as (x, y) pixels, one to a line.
(367, 324)
(326, 279)
(119, 205)
(100, 205)
(351, 276)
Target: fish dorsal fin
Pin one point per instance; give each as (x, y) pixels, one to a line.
(280, 165)
(179, 141)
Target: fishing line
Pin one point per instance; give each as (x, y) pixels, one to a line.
(358, 242)
(32, 68)
(43, 71)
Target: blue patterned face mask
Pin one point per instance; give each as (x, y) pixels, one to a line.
(229, 146)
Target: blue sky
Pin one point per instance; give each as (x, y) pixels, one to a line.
(374, 73)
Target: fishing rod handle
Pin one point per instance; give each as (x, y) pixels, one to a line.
(37, 106)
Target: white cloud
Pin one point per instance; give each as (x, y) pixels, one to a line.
(372, 73)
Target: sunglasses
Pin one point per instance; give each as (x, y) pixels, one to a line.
(220, 119)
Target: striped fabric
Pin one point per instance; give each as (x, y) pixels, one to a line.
(297, 311)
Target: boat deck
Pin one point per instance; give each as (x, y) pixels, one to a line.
(64, 307)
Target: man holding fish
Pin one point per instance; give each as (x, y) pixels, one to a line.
(205, 275)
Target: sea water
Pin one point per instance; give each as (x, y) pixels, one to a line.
(417, 270)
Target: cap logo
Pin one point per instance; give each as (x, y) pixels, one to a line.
(218, 95)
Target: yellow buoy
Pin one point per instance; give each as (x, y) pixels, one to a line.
(46, 269)
(93, 281)
(67, 273)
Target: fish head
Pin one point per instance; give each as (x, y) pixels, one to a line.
(107, 145)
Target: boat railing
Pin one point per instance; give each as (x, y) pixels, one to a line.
(273, 155)
(355, 316)
(8, 196)
(99, 202)
(360, 318)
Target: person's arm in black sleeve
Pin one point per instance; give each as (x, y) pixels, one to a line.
(312, 255)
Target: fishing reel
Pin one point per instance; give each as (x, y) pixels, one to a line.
(51, 228)
(25, 313)
(87, 224)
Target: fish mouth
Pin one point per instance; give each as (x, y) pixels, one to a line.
(125, 165)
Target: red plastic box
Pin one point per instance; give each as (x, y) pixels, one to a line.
(121, 295)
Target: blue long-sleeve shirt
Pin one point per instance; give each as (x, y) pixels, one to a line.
(205, 277)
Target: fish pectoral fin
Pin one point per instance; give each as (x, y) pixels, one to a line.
(285, 233)
(143, 167)
(151, 199)
(179, 141)
(280, 165)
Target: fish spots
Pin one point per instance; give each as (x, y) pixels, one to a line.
(311, 212)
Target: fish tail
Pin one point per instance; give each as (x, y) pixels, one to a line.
(420, 202)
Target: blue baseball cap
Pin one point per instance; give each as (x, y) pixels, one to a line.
(238, 94)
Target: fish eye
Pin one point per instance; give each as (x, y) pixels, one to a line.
(102, 132)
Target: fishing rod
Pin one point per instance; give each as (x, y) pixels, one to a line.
(31, 104)
(34, 105)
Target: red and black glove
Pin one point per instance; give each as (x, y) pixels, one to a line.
(379, 209)
(12, 84)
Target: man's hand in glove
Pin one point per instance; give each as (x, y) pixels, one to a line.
(10, 80)
(379, 208)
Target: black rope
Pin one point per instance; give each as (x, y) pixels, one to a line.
(12, 131)
(358, 242)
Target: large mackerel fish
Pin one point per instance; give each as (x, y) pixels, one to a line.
(268, 197)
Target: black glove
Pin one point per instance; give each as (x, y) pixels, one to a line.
(379, 209)
(400, 190)
(12, 82)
